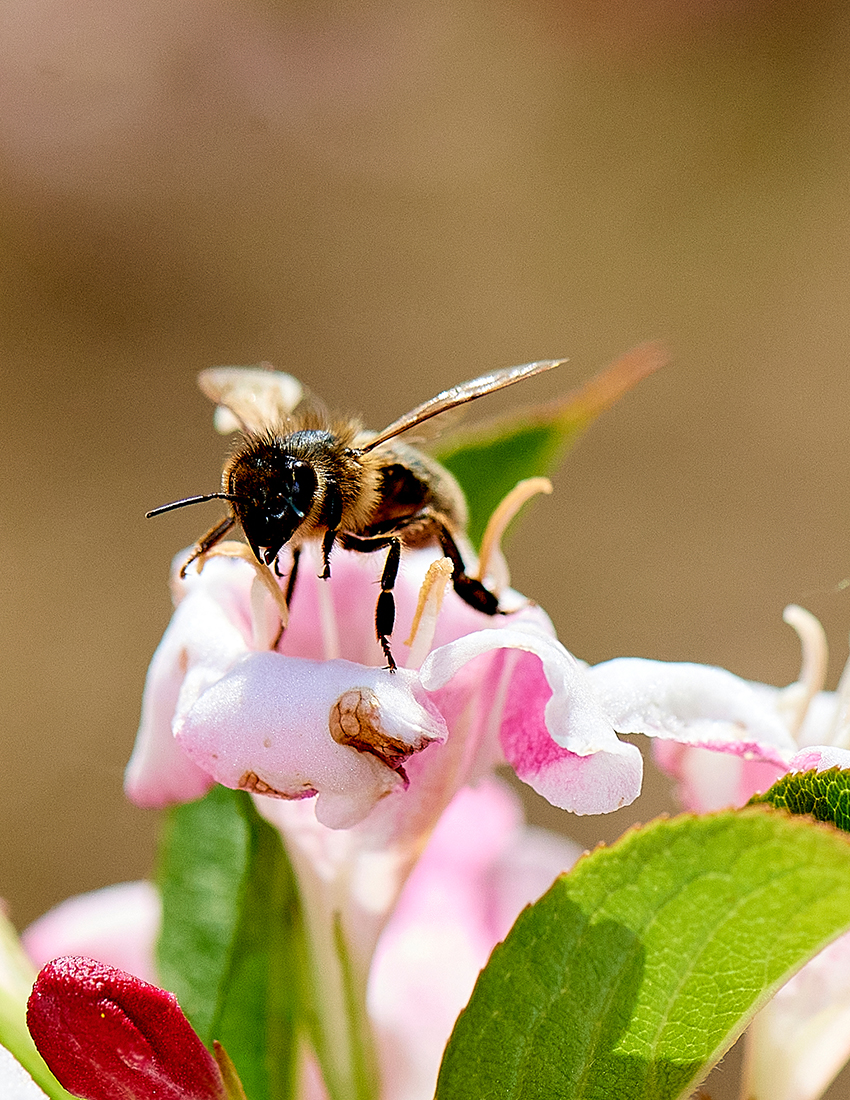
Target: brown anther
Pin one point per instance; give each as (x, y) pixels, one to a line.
(250, 781)
(355, 721)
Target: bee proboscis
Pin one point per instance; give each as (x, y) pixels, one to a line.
(299, 475)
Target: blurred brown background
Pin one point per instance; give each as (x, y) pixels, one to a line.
(386, 199)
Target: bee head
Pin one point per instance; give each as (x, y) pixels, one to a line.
(273, 493)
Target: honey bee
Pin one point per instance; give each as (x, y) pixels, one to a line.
(298, 475)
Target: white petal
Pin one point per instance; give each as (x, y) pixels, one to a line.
(264, 726)
(573, 716)
(692, 704)
(553, 731)
(15, 1082)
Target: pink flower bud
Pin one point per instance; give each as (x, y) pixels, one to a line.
(107, 1035)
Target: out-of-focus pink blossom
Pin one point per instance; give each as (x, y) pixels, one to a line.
(116, 925)
(107, 1035)
(481, 867)
(801, 1040)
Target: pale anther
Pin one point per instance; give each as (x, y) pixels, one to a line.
(795, 699)
(502, 516)
(235, 549)
(428, 607)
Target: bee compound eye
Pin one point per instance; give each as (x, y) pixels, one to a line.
(303, 488)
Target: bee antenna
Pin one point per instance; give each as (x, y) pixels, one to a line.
(191, 500)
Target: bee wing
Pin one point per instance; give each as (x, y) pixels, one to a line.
(460, 395)
(250, 399)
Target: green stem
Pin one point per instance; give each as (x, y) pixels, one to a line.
(337, 1019)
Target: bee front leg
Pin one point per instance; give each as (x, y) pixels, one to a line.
(331, 518)
(327, 545)
(207, 542)
(293, 575)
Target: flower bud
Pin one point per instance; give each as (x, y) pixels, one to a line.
(107, 1035)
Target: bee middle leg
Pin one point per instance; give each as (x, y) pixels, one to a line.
(427, 526)
(385, 608)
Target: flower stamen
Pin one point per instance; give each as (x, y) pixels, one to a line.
(794, 700)
(428, 606)
(522, 492)
(328, 623)
(233, 549)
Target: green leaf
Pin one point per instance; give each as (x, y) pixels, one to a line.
(16, 978)
(229, 941)
(823, 795)
(639, 969)
(490, 461)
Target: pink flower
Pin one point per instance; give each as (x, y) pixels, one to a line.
(352, 763)
(355, 764)
(107, 1035)
(314, 715)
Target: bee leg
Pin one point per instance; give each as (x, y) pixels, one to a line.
(385, 609)
(327, 545)
(293, 576)
(469, 589)
(331, 517)
(208, 541)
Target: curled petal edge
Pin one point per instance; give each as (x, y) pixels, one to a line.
(553, 731)
(692, 704)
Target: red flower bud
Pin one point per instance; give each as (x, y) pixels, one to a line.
(107, 1035)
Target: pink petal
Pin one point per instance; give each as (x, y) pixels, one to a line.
(819, 758)
(709, 780)
(264, 726)
(553, 731)
(117, 925)
(207, 634)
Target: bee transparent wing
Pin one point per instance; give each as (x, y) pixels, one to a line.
(460, 395)
(250, 399)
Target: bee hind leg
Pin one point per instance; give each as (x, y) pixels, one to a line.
(469, 589)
